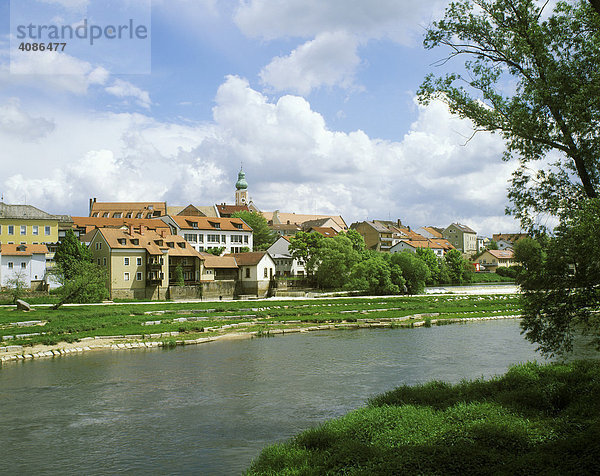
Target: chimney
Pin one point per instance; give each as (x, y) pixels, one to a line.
(163, 232)
(131, 230)
(92, 201)
(399, 222)
(143, 229)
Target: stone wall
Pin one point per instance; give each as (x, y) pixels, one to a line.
(224, 289)
(150, 293)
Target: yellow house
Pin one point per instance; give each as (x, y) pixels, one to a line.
(493, 259)
(27, 225)
(141, 264)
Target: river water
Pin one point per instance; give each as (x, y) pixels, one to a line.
(209, 409)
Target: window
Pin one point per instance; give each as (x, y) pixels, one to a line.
(138, 261)
(35, 230)
(247, 272)
(125, 276)
(185, 262)
(138, 276)
(23, 265)
(194, 225)
(246, 239)
(98, 246)
(126, 261)
(236, 238)
(47, 230)
(139, 215)
(11, 229)
(98, 260)
(104, 261)
(223, 239)
(105, 214)
(266, 273)
(10, 265)
(201, 238)
(212, 238)
(129, 214)
(118, 215)
(190, 237)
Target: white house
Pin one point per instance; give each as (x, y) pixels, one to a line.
(439, 247)
(27, 262)
(204, 233)
(256, 270)
(285, 264)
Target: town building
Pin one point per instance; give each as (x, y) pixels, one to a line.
(285, 263)
(205, 233)
(439, 246)
(461, 237)
(491, 260)
(298, 219)
(23, 262)
(256, 273)
(127, 209)
(377, 236)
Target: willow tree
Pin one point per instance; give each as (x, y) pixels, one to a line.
(534, 77)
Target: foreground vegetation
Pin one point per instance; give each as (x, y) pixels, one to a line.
(144, 321)
(535, 419)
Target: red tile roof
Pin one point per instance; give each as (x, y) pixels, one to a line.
(22, 250)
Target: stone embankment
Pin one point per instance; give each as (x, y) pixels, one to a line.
(12, 353)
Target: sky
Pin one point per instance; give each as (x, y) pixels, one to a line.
(316, 99)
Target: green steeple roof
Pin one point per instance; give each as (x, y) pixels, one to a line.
(241, 184)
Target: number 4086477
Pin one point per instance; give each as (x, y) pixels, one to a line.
(42, 46)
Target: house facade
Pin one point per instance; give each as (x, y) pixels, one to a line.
(137, 264)
(461, 237)
(256, 272)
(204, 233)
(491, 260)
(285, 263)
(24, 262)
(439, 246)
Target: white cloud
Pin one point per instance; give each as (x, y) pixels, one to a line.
(330, 59)
(294, 162)
(124, 89)
(14, 122)
(397, 20)
(56, 70)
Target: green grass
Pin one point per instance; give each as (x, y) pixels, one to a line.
(72, 323)
(536, 419)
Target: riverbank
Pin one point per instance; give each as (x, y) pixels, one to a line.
(85, 328)
(535, 419)
(38, 351)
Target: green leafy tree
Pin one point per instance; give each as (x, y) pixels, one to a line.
(178, 275)
(428, 256)
(414, 271)
(492, 245)
(304, 246)
(69, 253)
(560, 282)
(357, 240)
(217, 250)
(552, 64)
(456, 266)
(334, 260)
(373, 275)
(86, 283)
(262, 235)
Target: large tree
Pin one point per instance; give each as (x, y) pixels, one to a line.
(534, 77)
(70, 252)
(560, 281)
(262, 235)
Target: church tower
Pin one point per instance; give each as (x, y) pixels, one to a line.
(241, 189)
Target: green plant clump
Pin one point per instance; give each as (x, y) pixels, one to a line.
(536, 419)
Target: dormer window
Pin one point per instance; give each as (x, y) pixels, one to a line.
(216, 225)
(139, 215)
(195, 225)
(105, 215)
(181, 244)
(129, 214)
(170, 244)
(158, 242)
(117, 215)
(135, 241)
(122, 241)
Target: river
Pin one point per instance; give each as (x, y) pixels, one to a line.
(209, 409)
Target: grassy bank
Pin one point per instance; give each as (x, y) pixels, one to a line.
(72, 323)
(533, 420)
